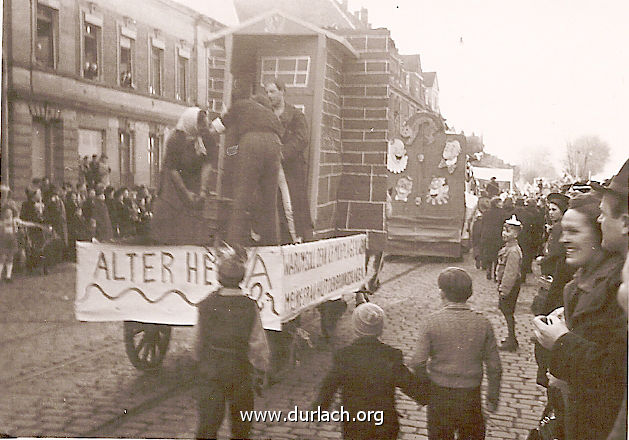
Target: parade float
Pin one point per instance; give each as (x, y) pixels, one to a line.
(426, 173)
(153, 288)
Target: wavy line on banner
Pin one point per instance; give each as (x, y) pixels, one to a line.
(140, 292)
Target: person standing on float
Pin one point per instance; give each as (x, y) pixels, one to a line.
(178, 209)
(294, 152)
(258, 155)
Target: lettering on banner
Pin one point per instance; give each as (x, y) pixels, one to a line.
(259, 284)
(305, 295)
(135, 270)
(120, 266)
(296, 261)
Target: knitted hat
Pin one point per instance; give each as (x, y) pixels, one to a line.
(231, 268)
(368, 320)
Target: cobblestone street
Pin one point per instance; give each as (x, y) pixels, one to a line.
(63, 378)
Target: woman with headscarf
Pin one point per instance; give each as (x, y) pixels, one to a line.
(178, 211)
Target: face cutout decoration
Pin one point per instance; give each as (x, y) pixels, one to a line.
(403, 188)
(397, 159)
(450, 154)
(438, 191)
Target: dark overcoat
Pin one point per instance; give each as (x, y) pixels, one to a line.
(295, 152)
(368, 372)
(491, 233)
(592, 357)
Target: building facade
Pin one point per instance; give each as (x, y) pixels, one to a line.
(99, 77)
(113, 76)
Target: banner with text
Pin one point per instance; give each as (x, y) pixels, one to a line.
(321, 270)
(164, 284)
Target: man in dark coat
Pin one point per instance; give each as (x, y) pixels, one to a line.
(526, 239)
(55, 215)
(491, 237)
(295, 149)
(492, 188)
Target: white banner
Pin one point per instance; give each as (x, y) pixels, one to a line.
(322, 270)
(164, 284)
(160, 284)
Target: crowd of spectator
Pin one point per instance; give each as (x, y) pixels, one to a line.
(578, 238)
(89, 210)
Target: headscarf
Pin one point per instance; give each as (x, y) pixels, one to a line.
(188, 123)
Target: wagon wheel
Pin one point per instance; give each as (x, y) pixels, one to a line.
(146, 344)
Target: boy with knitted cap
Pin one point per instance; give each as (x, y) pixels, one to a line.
(452, 346)
(232, 345)
(368, 372)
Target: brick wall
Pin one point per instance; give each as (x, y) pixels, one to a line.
(365, 130)
(330, 160)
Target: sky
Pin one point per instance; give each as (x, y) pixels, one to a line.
(525, 74)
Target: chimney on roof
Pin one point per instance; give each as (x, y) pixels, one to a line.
(364, 18)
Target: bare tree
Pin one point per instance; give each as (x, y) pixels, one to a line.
(534, 163)
(585, 156)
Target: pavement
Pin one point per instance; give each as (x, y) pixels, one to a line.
(61, 378)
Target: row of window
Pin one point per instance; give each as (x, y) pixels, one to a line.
(91, 53)
(292, 70)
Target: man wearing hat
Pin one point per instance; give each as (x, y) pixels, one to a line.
(492, 188)
(614, 219)
(368, 371)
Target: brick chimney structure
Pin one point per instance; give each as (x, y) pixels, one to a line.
(361, 196)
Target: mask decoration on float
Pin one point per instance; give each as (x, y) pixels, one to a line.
(450, 154)
(397, 159)
(438, 191)
(403, 188)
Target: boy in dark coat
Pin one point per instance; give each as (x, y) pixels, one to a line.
(232, 344)
(367, 372)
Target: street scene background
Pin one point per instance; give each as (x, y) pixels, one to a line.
(64, 378)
